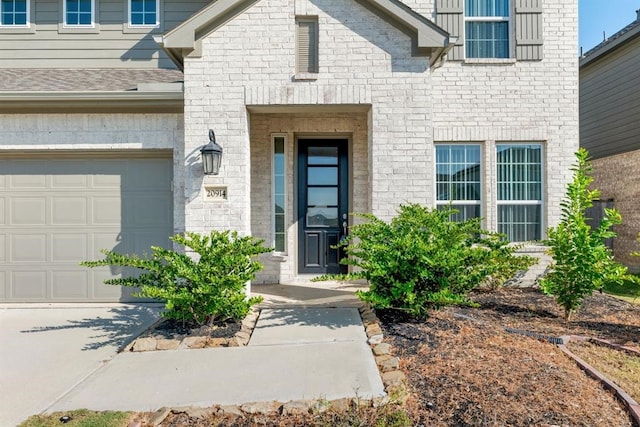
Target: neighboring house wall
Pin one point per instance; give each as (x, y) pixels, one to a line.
(618, 178)
(610, 99)
(110, 43)
(610, 130)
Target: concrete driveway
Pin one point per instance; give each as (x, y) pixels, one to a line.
(47, 349)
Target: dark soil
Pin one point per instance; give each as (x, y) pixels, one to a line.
(464, 368)
(174, 328)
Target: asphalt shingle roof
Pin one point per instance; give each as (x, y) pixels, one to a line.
(72, 80)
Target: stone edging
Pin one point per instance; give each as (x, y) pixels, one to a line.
(150, 342)
(632, 406)
(393, 379)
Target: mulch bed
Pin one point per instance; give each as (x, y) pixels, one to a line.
(464, 369)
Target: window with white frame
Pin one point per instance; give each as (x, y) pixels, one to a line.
(487, 28)
(143, 13)
(79, 13)
(519, 173)
(278, 208)
(458, 179)
(14, 13)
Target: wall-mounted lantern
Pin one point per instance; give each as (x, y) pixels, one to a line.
(211, 155)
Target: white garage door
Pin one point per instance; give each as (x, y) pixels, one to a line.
(57, 212)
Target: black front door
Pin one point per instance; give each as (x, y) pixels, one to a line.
(323, 197)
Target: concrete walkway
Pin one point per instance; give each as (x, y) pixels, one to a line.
(294, 354)
(48, 349)
(309, 343)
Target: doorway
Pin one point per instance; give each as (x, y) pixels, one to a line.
(323, 203)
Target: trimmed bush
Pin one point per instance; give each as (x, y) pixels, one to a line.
(205, 288)
(422, 260)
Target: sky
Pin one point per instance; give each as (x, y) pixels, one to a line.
(610, 16)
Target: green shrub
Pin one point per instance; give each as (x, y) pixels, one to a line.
(422, 260)
(582, 262)
(208, 287)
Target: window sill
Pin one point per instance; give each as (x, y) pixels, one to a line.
(72, 29)
(305, 76)
(279, 256)
(141, 29)
(11, 29)
(490, 61)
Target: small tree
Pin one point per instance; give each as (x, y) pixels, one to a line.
(421, 260)
(206, 288)
(582, 262)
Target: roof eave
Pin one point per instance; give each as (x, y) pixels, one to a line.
(606, 48)
(91, 101)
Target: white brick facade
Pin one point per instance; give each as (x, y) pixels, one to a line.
(390, 105)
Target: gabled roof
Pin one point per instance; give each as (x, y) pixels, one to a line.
(629, 32)
(428, 39)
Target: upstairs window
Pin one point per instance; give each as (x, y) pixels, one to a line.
(14, 13)
(78, 13)
(307, 45)
(143, 13)
(487, 28)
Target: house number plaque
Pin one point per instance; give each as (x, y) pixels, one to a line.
(215, 193)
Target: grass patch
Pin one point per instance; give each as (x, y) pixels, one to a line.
(619, 366)
(627, 290)
(80, 418)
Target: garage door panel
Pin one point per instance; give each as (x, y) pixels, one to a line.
(25, 180)
(2, 181)
(2, 216)
(155, 176)
(69, 211)
(144, 240)
(29, 285)
(114, 241)
(104, 292)
(69, 247)
(151, 210)
(28, 248)
(3, 286)
(107, 211)
(63, 182)
(3, 242)
(106, 181)
(28, 210)
(72, 284)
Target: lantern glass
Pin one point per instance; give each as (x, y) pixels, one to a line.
(211, 156)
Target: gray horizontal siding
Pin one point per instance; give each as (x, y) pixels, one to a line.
(610, 102)
(112, 47)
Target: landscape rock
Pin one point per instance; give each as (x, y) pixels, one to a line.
(217, 342)
(231, 410)
(145, 344)
(373, 329)
(194, 342)
(375, 339)
(159, 416)
(382, 349)
(388, 363)
(296, 407)
(165, 344)
(393, 378)
(261, 408)
(341, 405)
